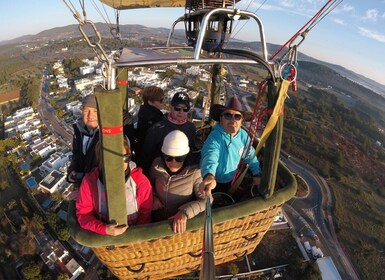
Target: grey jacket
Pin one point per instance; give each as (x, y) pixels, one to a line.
(177, 192)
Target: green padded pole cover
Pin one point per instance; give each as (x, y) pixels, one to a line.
(111, 137)
(272, 146)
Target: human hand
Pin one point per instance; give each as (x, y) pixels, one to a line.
(207, 185)
(179, 222)
(73, 195)
(156, 204)
(115, 229)
(256, 181)
(72, 177)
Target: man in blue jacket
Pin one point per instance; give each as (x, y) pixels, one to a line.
(224, 148)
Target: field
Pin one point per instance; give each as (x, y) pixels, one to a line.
(10, 95)
(360, 220)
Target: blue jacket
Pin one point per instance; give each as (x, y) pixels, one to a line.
(221, 154)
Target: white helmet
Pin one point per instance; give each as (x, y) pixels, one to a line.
(175, 144)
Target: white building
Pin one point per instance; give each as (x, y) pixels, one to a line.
(73, 105)
(53, 182)
(87, 70)
(55, 162)
(21, 113)
(81, 84)
(43, 149)
(36, 140)
(74, 268)
(62, 82)
(328, 269)
(27, 135)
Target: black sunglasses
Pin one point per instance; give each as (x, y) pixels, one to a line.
(126, 158)
(184, 109)
(177, 159)
(229, 116)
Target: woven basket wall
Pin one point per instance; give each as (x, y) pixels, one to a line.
(181, 253)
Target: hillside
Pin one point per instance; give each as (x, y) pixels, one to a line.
(145, 34)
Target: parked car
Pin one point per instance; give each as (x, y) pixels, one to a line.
(307, 246)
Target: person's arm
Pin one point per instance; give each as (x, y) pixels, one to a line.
(156, 204)
(209, 163)
(198, 205)
(85, 212)
(254, 164)
(144, 199)
(209, 157)
(148, 150)
(190, 209)
(74, 165)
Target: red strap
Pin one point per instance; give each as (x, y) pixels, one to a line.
(112, 130)
(122, 82)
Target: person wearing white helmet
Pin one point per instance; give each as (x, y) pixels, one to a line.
(176, 183)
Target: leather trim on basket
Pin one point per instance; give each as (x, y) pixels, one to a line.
(136, 270)
(241, 255)
(252, 237)
(196, 255)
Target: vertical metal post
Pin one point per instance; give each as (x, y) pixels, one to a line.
(208, 264)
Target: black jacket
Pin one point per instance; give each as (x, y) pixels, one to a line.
(83, 162)
(147, 116)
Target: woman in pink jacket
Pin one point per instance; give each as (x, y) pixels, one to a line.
(91, 206)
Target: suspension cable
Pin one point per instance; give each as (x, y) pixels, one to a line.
(260, 6)
(330, 5)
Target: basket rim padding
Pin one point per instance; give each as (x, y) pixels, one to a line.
(164, 228)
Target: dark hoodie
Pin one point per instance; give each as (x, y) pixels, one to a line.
(147, 116)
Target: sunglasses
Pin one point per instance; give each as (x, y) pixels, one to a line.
(177, 159)
(126, 158)
(178, 109)
(229, 116)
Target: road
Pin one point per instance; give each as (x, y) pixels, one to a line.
(314, 209)
(50, 119)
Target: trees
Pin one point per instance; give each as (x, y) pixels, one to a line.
(298, 269)
(62, 276)
(31, 271)
(63, 234)
(233, 269)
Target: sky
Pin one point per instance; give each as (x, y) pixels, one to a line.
(352, 35)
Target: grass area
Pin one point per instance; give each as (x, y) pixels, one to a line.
(361, 225)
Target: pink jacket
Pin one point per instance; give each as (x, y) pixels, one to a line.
(87, 201)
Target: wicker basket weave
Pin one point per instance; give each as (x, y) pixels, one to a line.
(151, 259)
